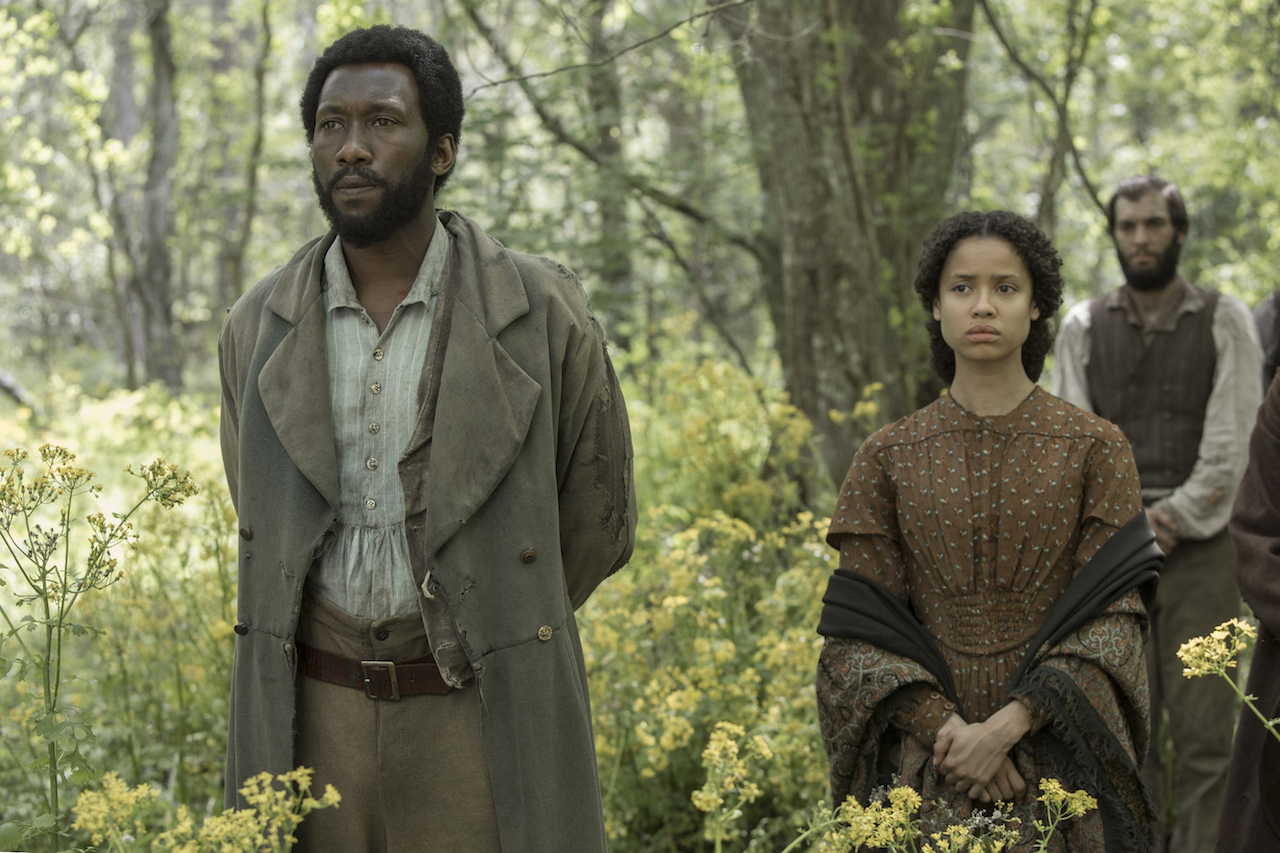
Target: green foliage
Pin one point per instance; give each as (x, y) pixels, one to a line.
(47, 578)
(153, 689)
(714, 617)
(123, 820)
(340, 17)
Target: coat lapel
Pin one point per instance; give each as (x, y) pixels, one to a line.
(486, 400)
(294, 382)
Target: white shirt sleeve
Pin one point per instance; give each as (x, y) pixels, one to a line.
(1201, 506)
(1071, 358)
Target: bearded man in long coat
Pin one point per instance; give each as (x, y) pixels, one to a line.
(429, 453)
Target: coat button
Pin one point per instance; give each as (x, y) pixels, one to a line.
(246, 534)
(529, 556)
(242, 629)
(382, 633)
(544, 633)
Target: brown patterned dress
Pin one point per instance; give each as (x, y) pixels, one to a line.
(978, 524)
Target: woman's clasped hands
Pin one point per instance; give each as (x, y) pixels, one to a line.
(975, 756)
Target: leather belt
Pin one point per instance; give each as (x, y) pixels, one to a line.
(379, 679)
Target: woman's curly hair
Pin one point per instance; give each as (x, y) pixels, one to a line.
(1035, 250)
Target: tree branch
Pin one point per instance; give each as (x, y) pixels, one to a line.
(10, 385)
(518, 78)
(1060, 105)
(710, 312)
(557, 129)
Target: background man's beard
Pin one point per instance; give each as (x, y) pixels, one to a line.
(400, 205)
(1156, 277)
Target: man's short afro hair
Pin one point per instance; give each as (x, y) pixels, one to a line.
(439, 87)
(1035, 250)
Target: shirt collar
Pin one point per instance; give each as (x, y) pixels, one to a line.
(1188, 301)
(340, 292)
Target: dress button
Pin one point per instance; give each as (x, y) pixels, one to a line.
(372, 464)
(370, 503)
(544, 633)
(529, 556)
(377, 354)
(382, 633)
(246, 534)
(374, 428)
(376, 387)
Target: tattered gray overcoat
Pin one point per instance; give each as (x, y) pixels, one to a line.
(528, 450)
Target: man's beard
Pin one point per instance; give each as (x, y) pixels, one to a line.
(1156, 277)
(401, 204)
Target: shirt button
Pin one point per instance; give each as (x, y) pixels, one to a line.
(377, 354)
(376, 387)
(373, 428)
(372, 464)
(370, 504)
(544, 633)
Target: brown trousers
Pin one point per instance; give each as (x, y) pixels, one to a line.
(1197, 592)
(412, 773)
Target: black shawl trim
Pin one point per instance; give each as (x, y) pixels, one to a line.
(857, 608)
(1075, 738)
(1087, 754)
(1130, 558)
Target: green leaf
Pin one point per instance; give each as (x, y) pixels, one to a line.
(44, 821)
(50, 727)
(10, 836)
(85, 774)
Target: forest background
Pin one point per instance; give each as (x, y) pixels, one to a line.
(743, 187)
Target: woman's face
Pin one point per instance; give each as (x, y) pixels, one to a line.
(984, 301)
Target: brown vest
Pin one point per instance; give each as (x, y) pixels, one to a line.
(1156, 394)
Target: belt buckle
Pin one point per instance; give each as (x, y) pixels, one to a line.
(371, 666)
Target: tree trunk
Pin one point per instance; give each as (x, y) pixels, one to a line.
(122, 125)
(857, 117)
(604, 94)
(162, 354)
(235, 253)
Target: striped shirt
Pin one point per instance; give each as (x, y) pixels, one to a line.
(373, 388)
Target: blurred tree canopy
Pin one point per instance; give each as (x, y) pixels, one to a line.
(770, 165)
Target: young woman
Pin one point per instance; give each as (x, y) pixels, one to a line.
(973, 647)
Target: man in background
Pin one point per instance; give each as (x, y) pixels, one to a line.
(429, 453)
(1176, 367)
